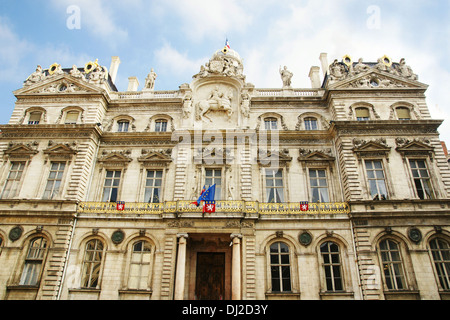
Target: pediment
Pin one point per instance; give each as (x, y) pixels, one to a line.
(268, 158)
(371, 148)
(60, 149)
(20, 151)
(415, 146)
(155, 159)
(115, 157)
(374, 79)
(315, 156)
(60, 84)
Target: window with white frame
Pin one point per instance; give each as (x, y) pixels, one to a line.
(14, 180)
(440, 252)
(311, 123)
(123, 125)
(274, 186)
(161, 125)
(332, 266)
(280, 267)
(111, 186)
(34, 261)
(153, 185)
(421, 179)
(54, 180)
(140, 265)
(376, 179)
(319, 186)
(271, 123)
(92, 262)
(214, 176)
(392, 265)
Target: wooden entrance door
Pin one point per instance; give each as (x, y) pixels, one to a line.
(210, 276)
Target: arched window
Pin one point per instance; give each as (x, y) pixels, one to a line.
(440, 251)
(72, 117)
(92, 262)
(362, 114)
(392, 265)
(140, 265)
(271, 123)
(34, 261)
(161, 125)
(123, 125)
(332, 266)
(35, 117)
(311, 123)
(280, 267)
(403, 113)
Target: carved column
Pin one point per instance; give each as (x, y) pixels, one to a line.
(181, 266)
(236, 267)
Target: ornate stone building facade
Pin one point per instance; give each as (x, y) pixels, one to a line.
(340, 191)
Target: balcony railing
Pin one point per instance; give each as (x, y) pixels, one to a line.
(221, 207)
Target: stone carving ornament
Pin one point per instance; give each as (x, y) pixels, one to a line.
(217, 101)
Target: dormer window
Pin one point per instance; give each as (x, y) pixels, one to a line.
(122, 126)
(271, 123)
(35, 118)
(362, 114)
(311, 123)
(161, 125)
(403, 113)
(71, 117)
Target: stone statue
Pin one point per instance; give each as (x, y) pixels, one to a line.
(337, 70)
(406, 71)
(360, 67)
(187, 104)
(217, 101)
(286, 77)
(35, 77)
(98, 76)
(150, 80)
(245, 105)
(76, 73)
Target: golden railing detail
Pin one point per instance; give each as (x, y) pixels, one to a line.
(221, 207)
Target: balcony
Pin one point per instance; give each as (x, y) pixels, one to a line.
(186, 207)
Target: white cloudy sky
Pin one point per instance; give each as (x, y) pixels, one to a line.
(175, 37)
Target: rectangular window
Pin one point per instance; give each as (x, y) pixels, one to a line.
(376, 180)
(14, 178)
(274, 186)
(71, 117)
(140, 265)
(35, 118)
(122, 126)
(362, 114)
(214, 176)
(310, 124)
(421, 178)
(271, 124)
(111, 186)
(161, 126)
(153, 185)
(318, 185)
(33, 262)
(54, 180)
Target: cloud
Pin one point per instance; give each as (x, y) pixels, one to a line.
(205, 19)
(99, 17)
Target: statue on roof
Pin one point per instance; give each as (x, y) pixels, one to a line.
(150, 80)
(36, 76)
(286, 77)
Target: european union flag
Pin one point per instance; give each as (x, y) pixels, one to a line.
(207, 195)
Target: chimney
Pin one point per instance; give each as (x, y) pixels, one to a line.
(133, 84)
(115, 61)
(315, 77)
(324, 61)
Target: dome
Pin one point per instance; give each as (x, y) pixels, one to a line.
(229, 53)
